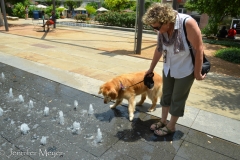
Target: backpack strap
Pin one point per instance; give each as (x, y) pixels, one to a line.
(189, 46)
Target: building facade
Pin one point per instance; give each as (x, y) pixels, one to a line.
(202, 19)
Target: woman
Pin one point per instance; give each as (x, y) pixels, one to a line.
(178, 70)
(26, 12)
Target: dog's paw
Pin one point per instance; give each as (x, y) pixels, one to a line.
(131, 116)
(112, 106)
(151, 110)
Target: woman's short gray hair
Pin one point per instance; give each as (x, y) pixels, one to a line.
(159, 12)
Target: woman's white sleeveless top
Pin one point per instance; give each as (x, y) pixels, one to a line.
(180, 63)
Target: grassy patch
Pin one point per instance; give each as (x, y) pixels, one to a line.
(229, 54)
(227, 43)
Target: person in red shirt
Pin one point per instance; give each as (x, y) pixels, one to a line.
(231, 33)
(51, 21)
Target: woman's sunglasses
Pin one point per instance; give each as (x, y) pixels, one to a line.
(156, 28)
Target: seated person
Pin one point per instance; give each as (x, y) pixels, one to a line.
(222, 33)
(231, 33)
(51, 21)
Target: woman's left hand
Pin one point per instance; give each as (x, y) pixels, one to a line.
(199, 76)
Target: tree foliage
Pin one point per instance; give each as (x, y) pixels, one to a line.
(14, 1)
(19, 10)
(49, 2)
(72, 4)
(220, 8)
(116, 5)
(149, 2)
(216, 10)
(90, 10)
(93, 4)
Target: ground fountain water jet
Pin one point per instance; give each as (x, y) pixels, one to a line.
(24, 128)
(98, 138)
(1, 112)
(10, 93)
(90, 110)
(75, 105)
(30, 104)
(21, 98)
(43, 141)
(46, 111)
(61, 118)
(3, 76)
(76, 128)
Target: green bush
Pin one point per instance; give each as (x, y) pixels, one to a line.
(210, 29)
(19, 10)
(121, 19)
(227, 43)
(80, 17)
(49, 10)
(229, 54)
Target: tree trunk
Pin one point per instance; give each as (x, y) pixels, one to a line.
(1, 18)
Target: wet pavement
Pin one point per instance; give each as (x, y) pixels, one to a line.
(121, 139)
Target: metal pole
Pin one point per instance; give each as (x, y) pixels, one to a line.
(140, 26)
(135, 36)
(4, 15)
(54, 10)
(174, 4)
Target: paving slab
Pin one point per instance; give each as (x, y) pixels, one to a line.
(7, 149)
(212, 143)
(142, 150)
(114, 154)
(214, 123)
(195, 152)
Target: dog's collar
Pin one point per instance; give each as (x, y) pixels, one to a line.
(122, 86)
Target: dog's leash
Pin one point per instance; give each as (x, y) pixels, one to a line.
(123, 88)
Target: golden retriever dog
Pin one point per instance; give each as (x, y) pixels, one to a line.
(127, 87)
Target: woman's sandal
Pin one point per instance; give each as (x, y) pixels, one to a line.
(163, 131)
(157, 125)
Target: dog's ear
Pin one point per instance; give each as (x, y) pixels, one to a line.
(100, 90)
(113, 94)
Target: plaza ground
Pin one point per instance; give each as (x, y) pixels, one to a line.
(82, 58)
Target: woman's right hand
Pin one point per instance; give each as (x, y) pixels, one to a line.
(148, 72)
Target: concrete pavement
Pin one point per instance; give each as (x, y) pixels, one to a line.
(117, 138)
(83, 58)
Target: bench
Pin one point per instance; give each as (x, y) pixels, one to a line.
(12, 18)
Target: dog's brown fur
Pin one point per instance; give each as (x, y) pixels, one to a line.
(111, 90)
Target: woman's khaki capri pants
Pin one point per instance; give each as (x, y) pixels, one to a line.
(175, 93)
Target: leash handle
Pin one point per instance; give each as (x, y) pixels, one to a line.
(150, 74)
